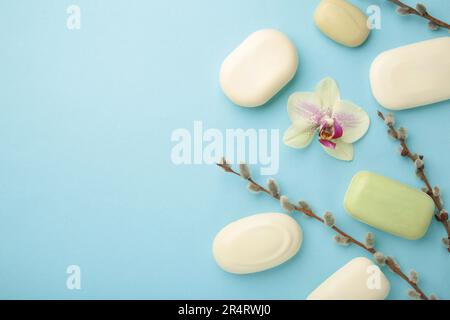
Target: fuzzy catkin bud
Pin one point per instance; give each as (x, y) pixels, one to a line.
(370, 240)
(421, 9)
(433, 297)
(414, 277)
(413, 294)
(402, 133)
(253, 187)
(380, 258)
(389, 119)
(402, 11)
(419, 163)
(245, 171)
(304, 206)
(286, 205)
(393, 263)
(436, 192)
(329, 219)
(341, 240)
(273, 188)
(433, 26)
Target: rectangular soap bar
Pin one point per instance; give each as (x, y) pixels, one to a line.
(259, 68)
(412, 76)
(389, 205)
(360, 279)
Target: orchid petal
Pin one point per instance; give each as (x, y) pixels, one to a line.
(328, 144)
(343, 151)
(338, 130)
(304, 109)
(354, 120)
(298, 137)
(328, 92)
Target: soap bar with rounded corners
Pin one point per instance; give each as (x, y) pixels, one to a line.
(342, 22)
(389, 205)
(257, 243)
(360, 279)
(412, 76)
(259, 68)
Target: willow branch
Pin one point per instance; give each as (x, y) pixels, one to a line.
(390, 262)
(421, 11)
(434, 192)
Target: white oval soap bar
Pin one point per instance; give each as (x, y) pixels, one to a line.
(257, 243)
(259, 68)
(360, 279)
(342, 22)
(413, 75)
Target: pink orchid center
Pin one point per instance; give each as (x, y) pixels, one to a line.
(330, 130)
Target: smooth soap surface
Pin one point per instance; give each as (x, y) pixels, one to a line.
(389, 205)
(342, 22)
(360, 279)
(412, 76)
(259, 68)
(257, 243)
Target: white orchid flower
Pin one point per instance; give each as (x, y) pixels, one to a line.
(339, 123)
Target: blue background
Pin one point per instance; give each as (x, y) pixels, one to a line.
(86, 176)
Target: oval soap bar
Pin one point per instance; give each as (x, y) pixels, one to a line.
(413, 75)
(260, 67)
(389, 205)
(257, 243)
(342, 22)
(360, 279)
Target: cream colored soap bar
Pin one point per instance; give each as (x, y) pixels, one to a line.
(257, 243)
(360, 279)
(413, 75)
(259, 68)
(389, 205)
(342, 22)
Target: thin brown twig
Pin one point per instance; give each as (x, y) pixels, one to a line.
(425, 15)
(390, 262)
(441, 214)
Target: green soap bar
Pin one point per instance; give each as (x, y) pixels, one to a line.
(389, 205)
